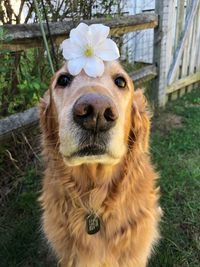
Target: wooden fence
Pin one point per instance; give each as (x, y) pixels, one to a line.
(29, 35)
(176, 50)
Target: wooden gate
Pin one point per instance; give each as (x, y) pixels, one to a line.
(177, 48)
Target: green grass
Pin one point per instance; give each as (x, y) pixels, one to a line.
(176, 154)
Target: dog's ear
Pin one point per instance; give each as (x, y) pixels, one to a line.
(140, 122)
(44, 110)
(48, 118)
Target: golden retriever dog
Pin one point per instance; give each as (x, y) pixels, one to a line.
(99, 198)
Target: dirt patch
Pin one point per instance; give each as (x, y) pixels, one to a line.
(17, 156)
(166, 122)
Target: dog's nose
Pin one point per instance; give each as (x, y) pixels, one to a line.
(95, 112)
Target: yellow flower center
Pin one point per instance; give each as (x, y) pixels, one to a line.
(88, 52)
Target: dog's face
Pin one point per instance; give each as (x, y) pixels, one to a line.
(94, 115)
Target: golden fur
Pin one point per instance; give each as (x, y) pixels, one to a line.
(121, 192)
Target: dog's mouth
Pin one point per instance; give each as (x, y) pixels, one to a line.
(91, 154)
(90, 150)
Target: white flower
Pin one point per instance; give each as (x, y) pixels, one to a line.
(87, 48)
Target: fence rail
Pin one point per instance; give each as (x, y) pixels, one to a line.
(29, 35)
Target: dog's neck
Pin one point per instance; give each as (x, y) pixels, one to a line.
(86, 176)
(92, 181)
(94, 174)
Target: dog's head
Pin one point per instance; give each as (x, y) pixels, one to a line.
(95, 119)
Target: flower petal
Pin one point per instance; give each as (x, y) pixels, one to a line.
(76, 65)
(107, 50)
(99, 33)
(94, 67)
(71, 50)
(79, 35)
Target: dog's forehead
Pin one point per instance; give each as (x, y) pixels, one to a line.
(111, 68)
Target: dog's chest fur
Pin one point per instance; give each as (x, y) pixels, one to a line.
(125, 211)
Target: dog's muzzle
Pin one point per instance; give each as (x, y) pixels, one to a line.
(95, 114)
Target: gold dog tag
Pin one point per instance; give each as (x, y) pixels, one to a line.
(92, 224)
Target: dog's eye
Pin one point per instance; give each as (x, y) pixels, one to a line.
(120, 82)
(64, 80)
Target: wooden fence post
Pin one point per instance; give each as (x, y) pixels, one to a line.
(161, 42)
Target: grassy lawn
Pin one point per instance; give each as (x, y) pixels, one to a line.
(175, 148)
